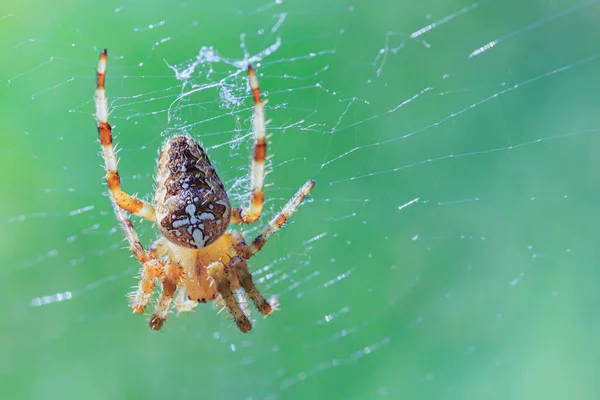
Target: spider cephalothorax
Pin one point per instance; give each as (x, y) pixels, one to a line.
(196, 256)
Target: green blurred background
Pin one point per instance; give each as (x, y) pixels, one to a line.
(486, 287)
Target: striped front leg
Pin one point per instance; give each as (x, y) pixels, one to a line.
(122, 199)
(252, 212)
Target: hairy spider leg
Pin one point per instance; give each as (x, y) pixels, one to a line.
(222, 277)
(151, 267)
(277, 222)
(170, 283)
(251, 213)
(240, 267)
(122, 199)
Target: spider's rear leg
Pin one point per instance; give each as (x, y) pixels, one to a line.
(218, 272)
(126, 202)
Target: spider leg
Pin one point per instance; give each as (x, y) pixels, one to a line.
(150, 270)
(219, 273)
(238, 263)
(170, 283)
(152, 267)
(240, 268)
(252, 212)
(277, 221)
(122, 199)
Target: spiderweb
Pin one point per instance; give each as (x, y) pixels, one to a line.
(447, 249)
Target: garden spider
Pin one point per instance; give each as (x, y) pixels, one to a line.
(195, 252)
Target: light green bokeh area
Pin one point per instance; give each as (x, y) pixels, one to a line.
(486, 287)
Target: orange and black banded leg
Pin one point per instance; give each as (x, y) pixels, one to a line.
(252, 212)
(219, 273)
(122, 199)
(277, 221)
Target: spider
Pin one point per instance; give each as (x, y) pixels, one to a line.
(195, 255)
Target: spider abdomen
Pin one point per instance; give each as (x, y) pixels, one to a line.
(192, 206)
